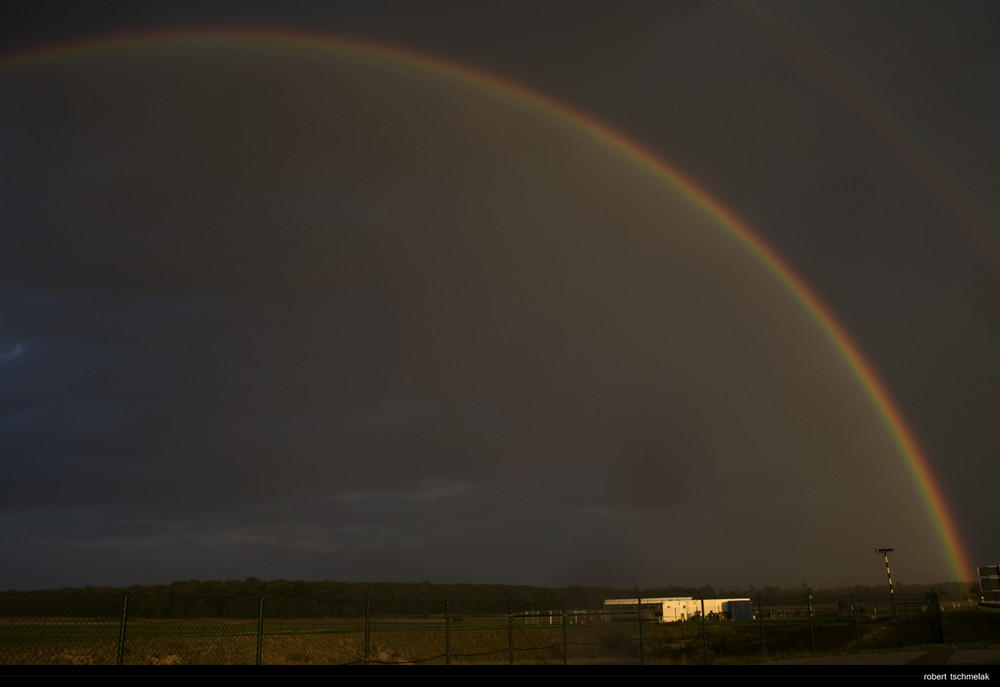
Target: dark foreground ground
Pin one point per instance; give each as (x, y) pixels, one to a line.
(970, 657)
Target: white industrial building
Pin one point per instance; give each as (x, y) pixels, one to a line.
(674, 608)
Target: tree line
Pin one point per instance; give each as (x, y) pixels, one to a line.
(300, 598)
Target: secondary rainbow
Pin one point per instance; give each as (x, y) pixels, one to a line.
(874, 113)
(849, 352)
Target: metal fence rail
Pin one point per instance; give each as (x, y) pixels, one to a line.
(148, 629)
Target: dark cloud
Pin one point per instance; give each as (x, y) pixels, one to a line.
(288, 314)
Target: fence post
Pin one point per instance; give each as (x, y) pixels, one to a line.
(704, 630)
(447, 633)
(260, 625)
(564, 630)
(857, 627)
(760, 617)
(121, 629)
(642, 656)
(510, 629)
(367, 629)
(809, 609)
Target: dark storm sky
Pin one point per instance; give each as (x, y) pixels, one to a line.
(300, 314)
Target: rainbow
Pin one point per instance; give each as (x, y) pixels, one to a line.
(882, 402)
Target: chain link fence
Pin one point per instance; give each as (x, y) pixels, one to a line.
(147, 629)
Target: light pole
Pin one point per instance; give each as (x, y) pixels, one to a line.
(892, 595)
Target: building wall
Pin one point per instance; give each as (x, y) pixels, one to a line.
(675, 608)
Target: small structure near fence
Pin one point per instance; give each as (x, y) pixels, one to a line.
(677, 608)
(989, 585)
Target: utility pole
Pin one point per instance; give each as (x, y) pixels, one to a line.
(892, 595)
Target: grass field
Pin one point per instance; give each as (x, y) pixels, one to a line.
(468, 641)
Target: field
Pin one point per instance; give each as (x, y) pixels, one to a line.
(477, 640)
